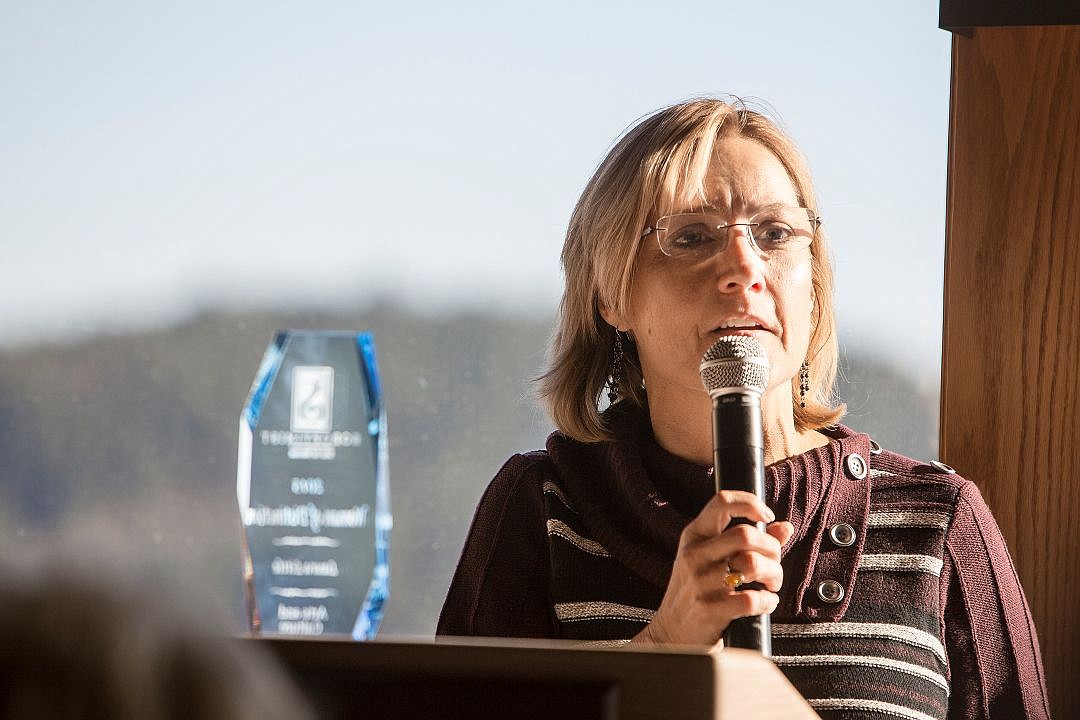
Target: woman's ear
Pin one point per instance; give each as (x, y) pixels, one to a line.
(613, 318)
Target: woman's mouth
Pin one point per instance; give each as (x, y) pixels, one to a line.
(737, 325)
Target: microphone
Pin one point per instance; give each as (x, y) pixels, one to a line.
(735, 371)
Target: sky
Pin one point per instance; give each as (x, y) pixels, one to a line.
(157, 160)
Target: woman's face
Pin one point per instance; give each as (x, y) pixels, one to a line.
(678, 309)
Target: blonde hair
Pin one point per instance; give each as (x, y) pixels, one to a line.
(664, 157)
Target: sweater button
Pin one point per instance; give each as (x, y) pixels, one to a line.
(842, 535)
(875, 448)
(830, 591)
(942, 467)
(856, 466)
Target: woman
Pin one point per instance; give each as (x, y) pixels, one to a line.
(889, 585)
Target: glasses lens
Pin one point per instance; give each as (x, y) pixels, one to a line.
(690, 236)
(782, 229)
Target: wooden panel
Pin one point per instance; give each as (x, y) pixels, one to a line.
(954, 14)
(1010, 394)
(479, 678)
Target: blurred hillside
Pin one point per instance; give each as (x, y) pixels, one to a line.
(122, 450)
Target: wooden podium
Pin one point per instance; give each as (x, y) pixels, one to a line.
(500, 678)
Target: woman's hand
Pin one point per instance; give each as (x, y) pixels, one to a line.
(698, 604)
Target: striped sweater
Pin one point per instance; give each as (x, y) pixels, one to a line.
(899, 599)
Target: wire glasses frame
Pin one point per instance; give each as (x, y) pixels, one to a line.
(700, 235)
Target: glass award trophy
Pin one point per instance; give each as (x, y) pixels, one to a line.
(313, 488)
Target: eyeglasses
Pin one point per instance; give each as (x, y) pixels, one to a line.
(698, 236)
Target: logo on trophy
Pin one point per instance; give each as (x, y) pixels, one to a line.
(312, 399)
(313, 488)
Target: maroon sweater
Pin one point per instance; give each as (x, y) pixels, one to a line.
(930, 621)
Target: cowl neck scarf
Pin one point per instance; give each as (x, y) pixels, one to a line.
(635, 497)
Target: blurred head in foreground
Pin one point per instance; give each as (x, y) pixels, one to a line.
(74, 649)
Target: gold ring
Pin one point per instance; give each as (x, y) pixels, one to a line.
(733, 579)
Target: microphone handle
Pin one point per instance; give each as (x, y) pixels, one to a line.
(739, 462)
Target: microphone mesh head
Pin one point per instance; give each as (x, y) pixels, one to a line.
(734, 362)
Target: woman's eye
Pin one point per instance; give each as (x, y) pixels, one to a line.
(690, 238)
(773, 234)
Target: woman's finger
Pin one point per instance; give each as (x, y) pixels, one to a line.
(722, 508)
(735, 540)
(782, 530)
(745, 603)
(754, 568)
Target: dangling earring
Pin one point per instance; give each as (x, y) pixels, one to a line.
(616, 370)
(804, 382)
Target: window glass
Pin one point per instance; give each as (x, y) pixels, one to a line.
(178, 183)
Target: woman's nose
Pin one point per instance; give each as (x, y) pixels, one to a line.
(740, 265)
